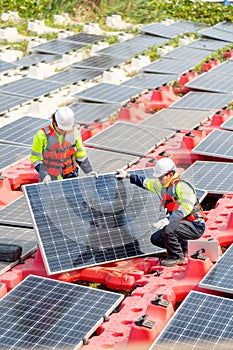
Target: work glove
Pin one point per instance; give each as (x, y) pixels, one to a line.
(94, 173)
(121, 174)
(161, 224)
(47, 179)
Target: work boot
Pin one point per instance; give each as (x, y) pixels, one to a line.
(171, 261)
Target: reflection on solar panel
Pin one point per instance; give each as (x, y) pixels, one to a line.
(129, 138)
(225, 68)
(87, 221)
(74, 75)
(57, 47)
(30, 88)
(107, 162)
(162, 30)
(202, 321)
(123, 49)
(99, 62)
(10, 154)
(85, 38)
(6, 66)
(169, 66)
(26, 238)
(146, 41)
(28, 126)
(218, 143)
(217, 34)
(85, 113)
(42, 313)
(8, 102)
(203, 101)
(214, 177)
(228, 124)
(212, 82)
(35, 58)
(108, 93)
(176, 119)
(16, 213)
(220, 276)
(150, 81)
(225, 25)
(208, 44)
(187, 53)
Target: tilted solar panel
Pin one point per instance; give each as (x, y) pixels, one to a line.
(10, 154)
(208, 44)
(123, 49)
(16, 213)
(187, 53)
(74, 75)
(57, 47)
(86, 113)
(165, 31)
(8, 102)
(150, 81)
(36, 58)
(218, 34)
(212, 82)
(99, 62)
(6, 66)
(170, 66)
(225, 68)
(228, 124)
(225, 26)
(85, 38)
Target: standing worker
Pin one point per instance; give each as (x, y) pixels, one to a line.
(57, 150)
(184, 219)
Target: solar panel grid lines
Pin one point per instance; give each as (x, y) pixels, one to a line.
(123, 49)
(85, 38)
(212, 82)
(16, 213)
(208, 44)
(228, 124)
(215, 33)
(150, 81)
(86, 113)
(219, 276)
(57, 46)
(11, 154)
(10, 102)
(187, 53)
(203, 321)
(87, 221)
(41, 313)
(74, 76)
(36, 58)
(225, 68)
(144, 40)
(170, 66)
(99, 62)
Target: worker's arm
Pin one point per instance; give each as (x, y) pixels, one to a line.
(81, 154)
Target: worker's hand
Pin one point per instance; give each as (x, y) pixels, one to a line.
(94, 173)
(121, 174)
(161, 224)
(47, 179)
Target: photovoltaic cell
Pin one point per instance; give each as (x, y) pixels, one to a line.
(170, 66)
(86, 113)
(188, 26)
(99, 62)
(41, 313)
(16, 213)
(36, 58)
(187, 53)
(28, 127)
(6, 66)
(150, 81)
(57, 47)
(212, 82)
(219, 276)
(129, 138)
(8, 102)
(86, 221)
(146, 41)
(214, 177)
(85, 38)
(203, 321)
(218, 143)
(123, 49)
(225, 68)
(165, 31)
(208, 44)
(228, 124)
(225, 26)
(203, 101)
(74, 75)
(10, 154)
(30, 87)
(108, 93)
(218, 34)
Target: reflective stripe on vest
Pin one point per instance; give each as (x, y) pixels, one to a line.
(59, 159)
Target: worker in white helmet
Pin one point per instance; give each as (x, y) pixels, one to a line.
(57, 150)
(184, 220)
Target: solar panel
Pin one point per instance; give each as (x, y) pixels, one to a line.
(30, 87)
(87, 221)
(215, 33)
(42, 313)
(6, 66)
(108, 93)
(208, 44)
(107, 162)
(8, 102)
(212, 82)
(28, 126)
(202, 321)
(187, 53)
(146, 41)
(124, 49)
(74, 75)
(36, 58)
(57, 47)
(86, 113)
(188, 26)
(10, 154)
(85, 38)
(225, 68)
(203, 101)
(225, 26)
(228, 124)
(99, 62)
(150, 81)
(218, 143)
(214, 177)
(165, 31)
(170, 66)
(129, 138)
(26, 238)
(16, 213)
(219, 276)
(177, 119)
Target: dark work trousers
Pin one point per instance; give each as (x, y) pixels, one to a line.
(174, 236)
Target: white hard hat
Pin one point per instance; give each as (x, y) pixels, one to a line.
(164, 166)
(64, 117)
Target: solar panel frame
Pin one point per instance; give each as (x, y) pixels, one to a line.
(150, 81)
(170, 66)
(9, 102)
(11, 154)
(203, 321)
(57, 46)
(212, 82)
(16, 213)
(86, 221)
(187, 53)
(217, 34)
(208, 44)
(42, 313)
(35, 58)
(103, 62)
(218, 277)
(6, 66)
(74, 76)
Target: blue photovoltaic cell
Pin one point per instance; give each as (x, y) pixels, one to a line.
(202, 322)
(57, 47)
(10, 154)
(41, 313)
(87, 221)
(170, 66)
(150, 81)
(212, 82)
(74, 76)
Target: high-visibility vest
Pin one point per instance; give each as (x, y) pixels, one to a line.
(59, 159)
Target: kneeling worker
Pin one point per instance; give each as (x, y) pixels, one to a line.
(184, 219)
